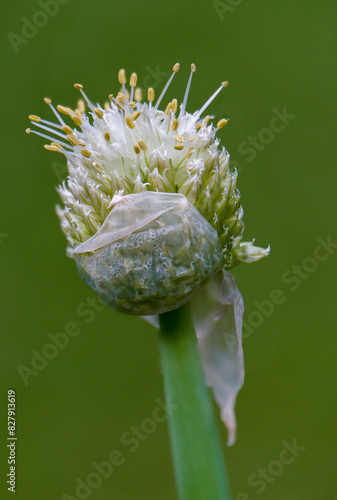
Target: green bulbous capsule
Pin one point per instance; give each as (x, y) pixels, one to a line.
(152, 254)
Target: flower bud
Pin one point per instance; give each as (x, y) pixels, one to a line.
(151, 255)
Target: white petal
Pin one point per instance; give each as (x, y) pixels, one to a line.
(217, 313)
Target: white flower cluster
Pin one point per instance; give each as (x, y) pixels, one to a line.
(129, 146)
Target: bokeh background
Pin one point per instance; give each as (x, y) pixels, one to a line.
(107, 379)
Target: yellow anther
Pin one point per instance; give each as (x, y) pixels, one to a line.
(111, 97)
(179, 147)
(99, 112)
(129, 122)
(34, 118)
(27, 130)
(107, 136)
(138, 94)
(224, 84)
(193, 67)
(72, 139)
(222, 123)
(132, 104)
(133, 80)
(175, 124)
(76, 119)
(135, 115)
(49, 147)
(137, 149)
(78, 113)
(121, 98)
(67, 130)
(63, 109)
(142, 145)
(47, 100)
(206, 120)
(86, 153)
(57, 145)
(168, 107)
(81, 105)
(174, 105)
(176, 67)
(81, 143)
(78, 86)
(121, 76)
(107, 106)
(150, 94)
(179, 138)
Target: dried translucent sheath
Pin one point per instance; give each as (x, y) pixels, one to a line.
(152, 254)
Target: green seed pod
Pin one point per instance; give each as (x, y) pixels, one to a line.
(152, 254)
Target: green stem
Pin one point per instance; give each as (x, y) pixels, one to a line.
(197, 456)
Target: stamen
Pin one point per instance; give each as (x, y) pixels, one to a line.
(133, 83)
(81, 106)
(72, 139)
(179, 147)
(129, 122)
(48, 101)
(50, 147)
(85, 97)
(107, 106)
(222, 123)
(135, 115)
(137, 149)
(174, 106)
(142, 145)
(183, 107)
(34, 118)
(138, 94)
(175, 124)
(150, 94)
(122, 79)
(175, 70)
(67, 130)
(107, 136)
(56, 144)
(179, 138)
(86, 153)
(63, 109)
(207, 103)
(76, 120)
(168, 107)
(99, 112)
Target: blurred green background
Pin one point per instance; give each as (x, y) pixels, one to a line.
(107, 379)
